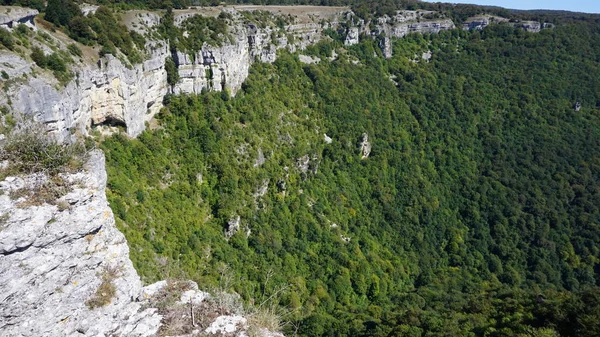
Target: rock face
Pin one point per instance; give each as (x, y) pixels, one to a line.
(405, 22)
(399, 25)
(365, 146)
(352, 36)
(480, 22)
(52, 259)
(11, 16)
(386, 47)
(107, 92)
(111, 92)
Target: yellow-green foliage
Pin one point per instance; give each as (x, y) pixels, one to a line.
(481, 175)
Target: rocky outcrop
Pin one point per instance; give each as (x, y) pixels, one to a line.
(386, 47)
(405, 22)
(482, 21)
(107, 92)
(398, 26)
(365, 146)
(217, 68)
(352, 36)
(529, 26)
(53, 259)
(12, 16)
(115, 93)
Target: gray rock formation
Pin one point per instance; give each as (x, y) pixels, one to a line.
(233, 226)
(529, 26)
(482, 21)
(111, 92)
(307, 59)
(352, 36)
(107, 92)
(11, 16)
(365, 146)
(303, 163)
(386, 47)
(52, 259)
(405, 22)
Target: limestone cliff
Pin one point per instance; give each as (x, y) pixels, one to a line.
(110, 91)
(398, 26)
(53, 257)
(107, 91)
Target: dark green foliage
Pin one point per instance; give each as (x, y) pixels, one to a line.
(79, 29)
(172, 73)
(75, 50)
(57, 62)
(199, 30)
(6, 39)
(480, 192)
(61, 12)
(103, 28)
(38, 56)
(37, 4)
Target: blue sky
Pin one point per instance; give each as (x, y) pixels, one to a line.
(588, 6)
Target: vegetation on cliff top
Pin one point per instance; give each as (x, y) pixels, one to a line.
(476, 212)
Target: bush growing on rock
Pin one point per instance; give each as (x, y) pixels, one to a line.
(6, 39)
(28, 149)
(57, 62)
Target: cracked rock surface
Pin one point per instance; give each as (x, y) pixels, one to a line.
(52, 259)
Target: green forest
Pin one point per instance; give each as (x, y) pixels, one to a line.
(476, 212)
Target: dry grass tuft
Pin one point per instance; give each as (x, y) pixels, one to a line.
(43, 191)
(106, 291)
(28, 149)
(264, 318)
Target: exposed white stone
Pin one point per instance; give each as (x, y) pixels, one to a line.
(151, 290)
(193, 296)
(227, 325)
(307, 59)
(11, 16)
(303, 163)
(352, 36)
(52, 262)
(262, 189)
(114, 93)
(260, 160)
(88, 8)
(365, 146)
(233, 226)
(427, 55)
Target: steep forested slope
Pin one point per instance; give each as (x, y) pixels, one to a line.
(476, 211)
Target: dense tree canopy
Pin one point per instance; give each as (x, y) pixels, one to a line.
(477, 211)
